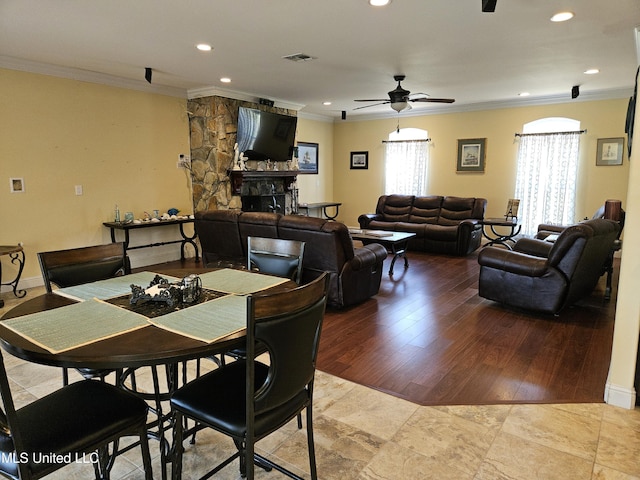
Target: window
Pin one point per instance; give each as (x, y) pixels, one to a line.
(547, 172)
(406, 161)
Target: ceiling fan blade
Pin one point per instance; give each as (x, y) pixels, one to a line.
(432, 100)
(372, 105)
(373, 100)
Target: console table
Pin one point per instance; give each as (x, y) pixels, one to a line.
(16, 254)
(321, 206)
(128, 227)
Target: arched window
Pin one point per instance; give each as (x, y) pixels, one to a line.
(406, 162)
(547, 172)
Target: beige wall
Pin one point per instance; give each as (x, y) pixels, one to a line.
(121, 145)
(312, 187)
(620, 383)
(360, 189)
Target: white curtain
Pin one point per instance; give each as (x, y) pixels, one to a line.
(406, 167)
(546, 179)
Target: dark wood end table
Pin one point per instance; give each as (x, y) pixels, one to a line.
(505, 239)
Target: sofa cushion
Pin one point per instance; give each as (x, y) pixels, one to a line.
(425, 209)
(448, 233)
(397, 208)
(455, 209)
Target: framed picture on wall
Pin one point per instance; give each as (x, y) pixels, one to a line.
(471, 155)
(610, 151)
(308, 157)
(359, 160)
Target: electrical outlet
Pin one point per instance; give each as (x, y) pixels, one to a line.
(184, 161)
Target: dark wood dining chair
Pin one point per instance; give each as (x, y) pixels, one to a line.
(247, 400)
(74, 424)
(276, 256)
(75, 266)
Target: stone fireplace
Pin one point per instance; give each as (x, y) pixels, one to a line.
(213, 123)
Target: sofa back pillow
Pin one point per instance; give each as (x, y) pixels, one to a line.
(426, 209)
(395, 208)
(456, 209)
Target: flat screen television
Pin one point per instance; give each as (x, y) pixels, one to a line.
(266, 136)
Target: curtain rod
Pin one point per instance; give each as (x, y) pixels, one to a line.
(550, 133)
(406, 141)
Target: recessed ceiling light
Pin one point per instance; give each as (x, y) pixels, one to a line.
(204, 47)
(592, 71)
(225, 80)
(524, 94)
(326, 103)
(562, 17)
(379, 3)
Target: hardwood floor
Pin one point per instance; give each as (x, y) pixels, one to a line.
(429, 338)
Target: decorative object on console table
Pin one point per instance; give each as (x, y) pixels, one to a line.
(610, 151)
(308, 157)
(359, 160)
(471, 155)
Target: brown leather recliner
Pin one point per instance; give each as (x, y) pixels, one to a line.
(547, 277)
(354, 273)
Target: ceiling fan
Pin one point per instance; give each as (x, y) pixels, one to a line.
(399, 98)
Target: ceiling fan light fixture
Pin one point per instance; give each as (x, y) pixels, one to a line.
(399, 106)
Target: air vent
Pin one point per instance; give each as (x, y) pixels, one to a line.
(299, 57)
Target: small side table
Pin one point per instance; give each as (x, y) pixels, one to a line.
(16, 253)
(506, 239)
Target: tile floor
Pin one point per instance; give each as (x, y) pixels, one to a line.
(363, 434)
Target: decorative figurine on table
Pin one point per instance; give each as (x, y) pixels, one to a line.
(188, 290)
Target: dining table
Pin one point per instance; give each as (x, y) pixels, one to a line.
(98, 326)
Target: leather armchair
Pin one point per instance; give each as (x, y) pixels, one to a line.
(544, 276)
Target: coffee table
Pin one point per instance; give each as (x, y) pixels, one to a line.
(395, 242)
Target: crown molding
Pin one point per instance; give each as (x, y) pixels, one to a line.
(20, 64)
(236, 95)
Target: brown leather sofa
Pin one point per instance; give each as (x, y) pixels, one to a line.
(449, 225)
(355, 273)
(547, 277)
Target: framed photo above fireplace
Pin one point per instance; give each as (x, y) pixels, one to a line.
(308, 157)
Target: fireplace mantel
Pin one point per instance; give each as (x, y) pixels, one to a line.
(239, 176)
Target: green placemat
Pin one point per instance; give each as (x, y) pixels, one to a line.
(239, 282)
(207, 321)
(75, 325)
(111, 287)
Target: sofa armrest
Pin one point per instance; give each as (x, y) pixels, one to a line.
(368, 255)
(531, 246)
(366, 218)
(512, 262)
